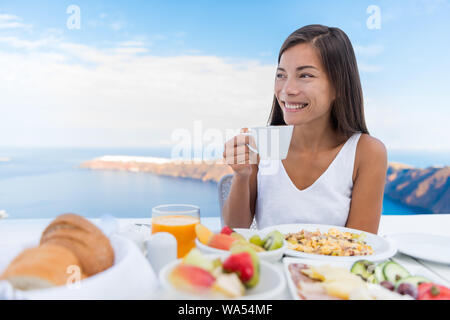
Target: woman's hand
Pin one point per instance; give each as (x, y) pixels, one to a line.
(239, 208)
(238, 155)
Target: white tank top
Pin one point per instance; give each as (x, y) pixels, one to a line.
(326, 201)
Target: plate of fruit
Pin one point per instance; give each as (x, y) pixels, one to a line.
(270, 246)
(238, 274)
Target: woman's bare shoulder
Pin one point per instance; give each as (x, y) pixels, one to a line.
(370, 146)
(370, 152)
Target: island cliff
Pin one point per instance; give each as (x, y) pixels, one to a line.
(201, 170)
(423, 188)
(428, 188)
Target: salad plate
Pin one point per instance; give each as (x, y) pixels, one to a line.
(411, 275)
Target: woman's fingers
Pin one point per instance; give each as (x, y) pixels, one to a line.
(240, 139)
(238, 159)
(232, 156)
(240, 155)
(237, 151)
(232, 151)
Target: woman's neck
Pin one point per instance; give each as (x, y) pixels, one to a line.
(314, 137)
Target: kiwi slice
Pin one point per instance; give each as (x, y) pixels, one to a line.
(274, 240)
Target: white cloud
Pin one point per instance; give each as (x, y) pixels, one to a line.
(9, 21)
(180, 34)
(431, 6)
(159, 37)
(27, 44)
(364, 53)
(105, 20)
(368, 50)
(413, 9)
(266, 54)
(56, 92)
(131, 50)
(8, 17)
(13, 25)
(369, 68)
(403, 123)
(120, 98)
(117, 26)
(132, 43)
(95, 23)
(193, 51)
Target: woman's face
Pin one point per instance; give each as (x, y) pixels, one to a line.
(302, 87)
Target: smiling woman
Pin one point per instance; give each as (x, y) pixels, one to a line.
(335, 171)
(333, 65)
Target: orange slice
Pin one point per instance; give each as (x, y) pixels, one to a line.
(203, 233)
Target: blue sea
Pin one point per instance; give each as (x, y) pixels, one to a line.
(45, 182)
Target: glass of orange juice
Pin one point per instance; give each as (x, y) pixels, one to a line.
(180, 221)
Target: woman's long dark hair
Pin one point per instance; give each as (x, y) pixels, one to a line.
(338, 58)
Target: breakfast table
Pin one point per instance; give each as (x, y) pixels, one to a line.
(14, 231)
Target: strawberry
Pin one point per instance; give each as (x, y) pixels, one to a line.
(227, 230)
(242, 264)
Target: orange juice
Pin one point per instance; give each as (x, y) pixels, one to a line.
(181, 227)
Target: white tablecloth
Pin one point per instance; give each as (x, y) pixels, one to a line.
(18, 234)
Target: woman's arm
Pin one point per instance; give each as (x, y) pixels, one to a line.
(368, 187)
(239, 208)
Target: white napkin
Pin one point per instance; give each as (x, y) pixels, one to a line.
(131, 277)
(136, 233)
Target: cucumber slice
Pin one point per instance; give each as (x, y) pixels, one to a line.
(372, 279)
(394, 272)
(379, 271)
(361, 267)
(414, 280)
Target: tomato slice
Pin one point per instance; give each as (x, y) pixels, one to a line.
(432, 291)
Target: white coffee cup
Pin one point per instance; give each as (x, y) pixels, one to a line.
(272, 142)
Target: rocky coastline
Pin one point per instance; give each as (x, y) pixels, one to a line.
(428, 188)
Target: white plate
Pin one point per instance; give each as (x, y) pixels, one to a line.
(382, 248)
(413, 270)
(429, 247)
(271, 283)
(270, 256)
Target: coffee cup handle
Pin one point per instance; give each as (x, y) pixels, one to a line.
(252, 149)
(247, 144)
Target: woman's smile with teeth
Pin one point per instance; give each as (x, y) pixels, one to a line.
(295, 106)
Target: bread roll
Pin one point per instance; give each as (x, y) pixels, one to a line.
(84, 239)
(41, 267)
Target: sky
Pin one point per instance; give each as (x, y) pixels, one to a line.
(138, 74)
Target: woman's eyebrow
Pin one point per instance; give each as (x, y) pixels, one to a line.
(299, 68)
